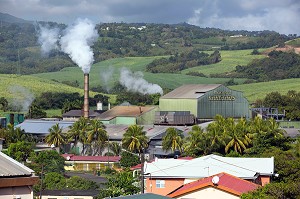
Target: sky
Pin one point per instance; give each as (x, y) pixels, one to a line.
(279, 15)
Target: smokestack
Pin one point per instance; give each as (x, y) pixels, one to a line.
(86, 96)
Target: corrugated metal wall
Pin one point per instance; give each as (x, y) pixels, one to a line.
(178, 105)
(223, 101)
(147, 117)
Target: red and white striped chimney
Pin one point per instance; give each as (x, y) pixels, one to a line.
(86, 96)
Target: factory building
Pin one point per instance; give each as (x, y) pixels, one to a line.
(205, 101)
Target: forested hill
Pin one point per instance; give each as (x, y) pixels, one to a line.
(20, 51)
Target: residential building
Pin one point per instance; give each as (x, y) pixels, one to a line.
(165, 175)
(222, 185)
(16, 180)
(90, 163)
(70, 194)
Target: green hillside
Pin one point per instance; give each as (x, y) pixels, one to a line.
(165, 80)
(259, 90)
(230, 59)
(10, 84)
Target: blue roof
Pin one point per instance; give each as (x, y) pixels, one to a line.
(42, 126)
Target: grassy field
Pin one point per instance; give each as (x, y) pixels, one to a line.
(259, 90)
(101, 69)
(17, 86)
(230, 59)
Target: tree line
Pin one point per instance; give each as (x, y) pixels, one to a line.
(20, 51)
(178, 62)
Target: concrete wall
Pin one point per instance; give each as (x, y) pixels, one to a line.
(170, 185)
(25, 192)
(209, 192)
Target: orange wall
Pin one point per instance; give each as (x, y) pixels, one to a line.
(170, 185)
(264, 180)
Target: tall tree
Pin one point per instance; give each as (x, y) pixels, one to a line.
(135, 140)
(97, 134)
(172, 140)
(55, 136)
(196, 143)
(78, 133)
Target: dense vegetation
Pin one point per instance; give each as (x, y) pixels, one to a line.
(20, 51)
(179, 62)
(278, 65)
(288, 103)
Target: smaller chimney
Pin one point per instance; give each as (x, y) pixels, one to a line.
(99, 106)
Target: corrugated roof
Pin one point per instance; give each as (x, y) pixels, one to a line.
(10, 167)
(42, 126)
(246, 168)
(91, 158)
(190, 91)
(79, 113)
(125, 111)
(226, 183)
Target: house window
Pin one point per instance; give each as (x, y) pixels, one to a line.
(160, 184)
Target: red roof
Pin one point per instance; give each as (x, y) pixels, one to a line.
(91, 158)
(228, 183)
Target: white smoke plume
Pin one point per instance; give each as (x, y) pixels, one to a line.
(136, 83)
(48, 38)
(106, 76)
(22, 98)
(76, 43)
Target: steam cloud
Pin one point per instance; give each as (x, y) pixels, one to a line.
(77, 41)
(48, 39)
(22, 98)
(136, 83)
(106, 76)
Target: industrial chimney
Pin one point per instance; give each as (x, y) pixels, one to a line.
(86, 96)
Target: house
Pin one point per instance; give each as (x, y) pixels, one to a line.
(16, 180)
(164, 175)
(128, 115)
(90, 163)
(70, 194)
(221, 185)
(143, 196)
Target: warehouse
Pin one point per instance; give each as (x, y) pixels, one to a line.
(205, 101)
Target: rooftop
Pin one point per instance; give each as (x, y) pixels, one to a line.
(125, 111)
(228, 183)
(10, 167)
(71, 157)
(143, 196)
(42, 126)
(79, 113)
(190, 91)
(246, 168)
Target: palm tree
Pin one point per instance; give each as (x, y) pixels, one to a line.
(237, 135)
(97, 134)
(56, 136)
(78, 133)
(135, 139)
(172, 140)
(195, 144)
(216, 134)
(115, 148)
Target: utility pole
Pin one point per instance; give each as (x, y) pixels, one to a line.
(142, 171)
(41, 188)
